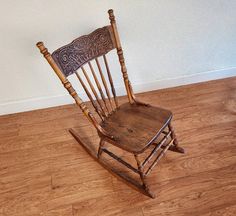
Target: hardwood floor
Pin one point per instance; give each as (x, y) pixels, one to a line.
(43, 171)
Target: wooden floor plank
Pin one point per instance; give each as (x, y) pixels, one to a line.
(44, 171)
(202, 202)
(105, 205)
(222, 210)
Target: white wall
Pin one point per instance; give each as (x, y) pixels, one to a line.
(165, 42)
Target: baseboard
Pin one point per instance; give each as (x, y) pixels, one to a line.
(45, 102)
(185, 80)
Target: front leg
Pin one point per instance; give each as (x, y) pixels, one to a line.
(101, 144)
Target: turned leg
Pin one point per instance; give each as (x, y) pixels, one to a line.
(142, 176)
(101, 144)
(175, 146)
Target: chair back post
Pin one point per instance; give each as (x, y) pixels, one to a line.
(68, 85)
(121, 56)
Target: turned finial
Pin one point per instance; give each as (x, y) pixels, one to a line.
(42, 48)
(111, 15)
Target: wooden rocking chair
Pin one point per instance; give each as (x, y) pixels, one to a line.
(134, 126)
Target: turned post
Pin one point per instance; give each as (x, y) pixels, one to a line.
(120, 55)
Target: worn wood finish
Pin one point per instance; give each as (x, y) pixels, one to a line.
(44, 171)
(134, 126)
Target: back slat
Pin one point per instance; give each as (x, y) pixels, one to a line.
(93, 90)
(89, 96)
(98, 86)
(111, 81)
(104, 83)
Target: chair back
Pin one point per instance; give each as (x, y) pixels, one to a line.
(88, 51)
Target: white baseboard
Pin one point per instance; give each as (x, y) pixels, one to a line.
(185, 80)
(45, 102)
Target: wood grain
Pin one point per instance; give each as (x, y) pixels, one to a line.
(43, 171)
(134, 126)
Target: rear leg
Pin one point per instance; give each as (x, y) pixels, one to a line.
(175, 147)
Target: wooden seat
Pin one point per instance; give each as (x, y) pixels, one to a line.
(135, 127)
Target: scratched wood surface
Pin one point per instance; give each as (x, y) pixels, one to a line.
(43, 171)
